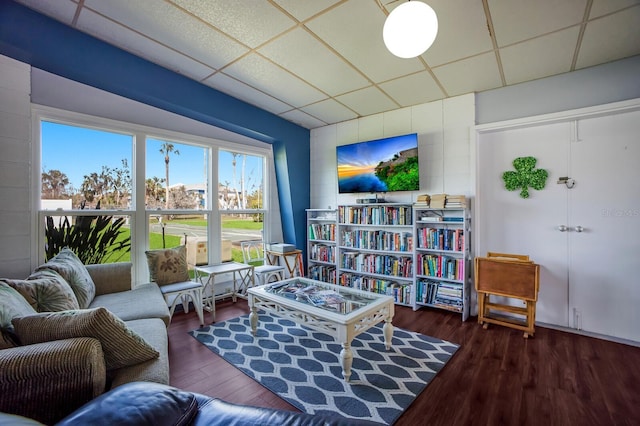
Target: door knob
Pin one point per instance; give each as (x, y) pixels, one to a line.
(562, 228)
(578, 228)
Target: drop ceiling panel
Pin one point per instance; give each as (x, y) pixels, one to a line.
(611, 37)
(330, 111)
(326, 58)
(413, 89)
(303, 119)
(518, 20)
(172, 27)
(252, 24)
(300, 53)
(452, 44)
(603, 7)
(354, 30)
(241, 91)
(367, 101)
(470, 75)
(141, 46)
(264, 75)
(63, 10)
(533, 59)
(303, 10)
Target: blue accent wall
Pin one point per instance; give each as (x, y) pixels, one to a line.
(47, 44)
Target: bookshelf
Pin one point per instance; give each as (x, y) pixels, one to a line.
(375, 249)
(321, 245)
(442, 258)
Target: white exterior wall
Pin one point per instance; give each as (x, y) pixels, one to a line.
(15, 168)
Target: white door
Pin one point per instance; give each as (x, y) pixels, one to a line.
(604, 285)
(511, 224)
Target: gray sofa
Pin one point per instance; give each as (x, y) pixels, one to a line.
(50, 379)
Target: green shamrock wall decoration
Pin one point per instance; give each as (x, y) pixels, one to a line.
(525, 176)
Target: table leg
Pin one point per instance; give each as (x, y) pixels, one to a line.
(387, 330)
(346, 360)
(253, 319)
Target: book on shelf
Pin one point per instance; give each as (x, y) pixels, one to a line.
(438, 201)
(455, 201)
(423, 200)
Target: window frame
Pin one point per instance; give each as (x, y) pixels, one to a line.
(138, 213)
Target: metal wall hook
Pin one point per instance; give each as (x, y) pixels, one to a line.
(570, 183)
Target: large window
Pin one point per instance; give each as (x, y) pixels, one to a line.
(241, 200)
(116, 189)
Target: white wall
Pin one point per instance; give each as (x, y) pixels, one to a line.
(15, 168)
(444, 146)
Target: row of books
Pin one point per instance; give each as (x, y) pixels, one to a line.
(400, 292)
(375, 215)
(323, 273)
(441, 239)
(398, 266)
(377, 240)
(440, 294)
(442, 201)
(325, 231)
(323, 253)
(440, 266)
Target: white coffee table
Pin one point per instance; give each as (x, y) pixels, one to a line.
(359, 311)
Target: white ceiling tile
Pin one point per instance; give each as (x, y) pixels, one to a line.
(141, 46)
(457, 80)
(302, 119)
(262, 74)
(367, 101)
(539, 57)
(413, 89)
(239, 90)
(609, 38)
(518, 20)
(603, 7)
(303, 10)
(452, 44)
(252, 24)
(330, 111)
(173, 27)
(63, 10)
(301, 53)
(354, 30)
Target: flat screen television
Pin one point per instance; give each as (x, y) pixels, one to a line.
(381, 165)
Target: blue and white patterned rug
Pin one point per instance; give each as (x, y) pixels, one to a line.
(302, 366)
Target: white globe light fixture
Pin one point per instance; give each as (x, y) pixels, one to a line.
(410, 29)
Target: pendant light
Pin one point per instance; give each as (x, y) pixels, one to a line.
(410, 29)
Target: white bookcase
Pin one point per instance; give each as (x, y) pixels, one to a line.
(442, 258)
(321, 244)
(375, 249)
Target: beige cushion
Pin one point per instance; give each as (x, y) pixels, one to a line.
(67, 264)
(12, 305)
(144, 301)
(121, 345)
(168, 266)
(46, 291)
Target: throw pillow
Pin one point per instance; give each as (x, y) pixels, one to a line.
(12, 305)
(67, 264)
(168, 266)
(46, 291)
(121, 345)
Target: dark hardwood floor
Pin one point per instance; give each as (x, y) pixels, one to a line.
(496, 378)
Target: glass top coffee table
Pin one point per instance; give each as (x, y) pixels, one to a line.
(342, 312)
